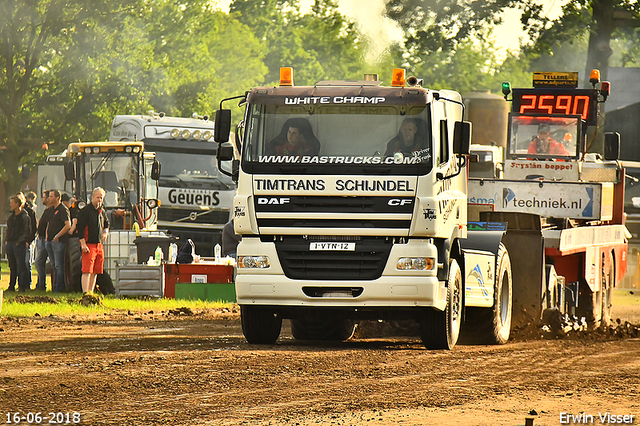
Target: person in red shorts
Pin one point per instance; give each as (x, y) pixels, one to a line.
(92, 231)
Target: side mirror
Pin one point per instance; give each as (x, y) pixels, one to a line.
(69, 172)
(611, 146)
(222, 126)
(155, 170)
(225, 153)
(461, 137)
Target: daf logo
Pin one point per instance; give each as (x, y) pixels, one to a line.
(399, 202)
(274, 200)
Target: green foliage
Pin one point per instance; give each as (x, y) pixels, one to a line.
(320, 45)
(39, 40)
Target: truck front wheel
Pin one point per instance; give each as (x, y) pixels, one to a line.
(492, 326)
(440, 329)
(260, 325)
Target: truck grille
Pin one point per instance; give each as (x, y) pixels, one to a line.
(193, 216)
(365, 263)
(334, 212)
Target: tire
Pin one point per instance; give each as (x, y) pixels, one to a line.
(440, 329)
(607, 294)
(104, 284)
(322, 328)
(73, 266)
(492, 326)
(590, 306)
(260, 326)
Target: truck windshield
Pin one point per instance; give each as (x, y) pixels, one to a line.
(116, 174)
(544, 136)
(188, 170)
(333, 139)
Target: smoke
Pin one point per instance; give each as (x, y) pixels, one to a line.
(368, 16)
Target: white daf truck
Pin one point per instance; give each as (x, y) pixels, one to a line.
(367, 219)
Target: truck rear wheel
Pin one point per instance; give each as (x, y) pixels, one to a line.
(440, 329)
(590, 306)
(73, 266)
(492, 326)
(607, 295)
(322, 328)
(260, 325)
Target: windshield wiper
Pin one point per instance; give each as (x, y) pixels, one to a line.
(101, 165)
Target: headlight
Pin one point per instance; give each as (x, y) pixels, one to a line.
(197, 134)
(136, 149)
(128, 149)
(185, 134)
(175, 133)
(87, 150)
(81, 205)
(207, 135)
(415, 263)
(96, 150)
(250, 262)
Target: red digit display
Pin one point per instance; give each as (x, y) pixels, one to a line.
(528, 106)
(563, 103)
(582, 102)
(546, 103)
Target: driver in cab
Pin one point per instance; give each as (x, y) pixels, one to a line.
(543, 144)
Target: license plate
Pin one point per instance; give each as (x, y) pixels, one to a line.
(333, 246)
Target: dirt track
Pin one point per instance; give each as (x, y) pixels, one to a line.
(163, 369)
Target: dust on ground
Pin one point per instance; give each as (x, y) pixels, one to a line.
(184, 367)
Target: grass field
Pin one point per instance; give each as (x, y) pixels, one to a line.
(625, 302)
(67, 304)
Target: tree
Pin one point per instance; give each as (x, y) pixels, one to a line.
(320, 45)
(601, 20)
(36, 38)
(200, 56)
(433, 26)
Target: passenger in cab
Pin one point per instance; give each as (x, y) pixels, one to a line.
(409, 140)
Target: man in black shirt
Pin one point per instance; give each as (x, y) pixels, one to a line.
(41, 247)
(93, 230)
(73, 213)
(29, 207)
(18, 231)
(57, 236)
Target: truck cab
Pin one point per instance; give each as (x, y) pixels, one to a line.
(352, 204)
(195, 198)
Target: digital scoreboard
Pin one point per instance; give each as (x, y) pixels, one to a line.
(564, 101)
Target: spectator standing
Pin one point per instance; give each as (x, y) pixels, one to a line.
(57, 236)
(18, 230)
(29, 207)
(41, 240)
(69, 203)
(230, 240)
(93, 230)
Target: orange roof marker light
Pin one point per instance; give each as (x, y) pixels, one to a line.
(398, 78)
(594, 77)
(286, 76)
